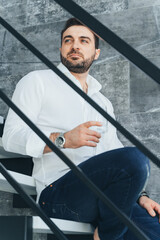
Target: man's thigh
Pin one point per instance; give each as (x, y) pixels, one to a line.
(69, 198)
(149, 225)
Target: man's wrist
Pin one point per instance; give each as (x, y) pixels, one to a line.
(52, 137)
(60, 140)
(66, 140)
(142, 194)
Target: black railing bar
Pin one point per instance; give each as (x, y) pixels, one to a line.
(49, 64)
(110, 37)
(76, 170)
(59, 234)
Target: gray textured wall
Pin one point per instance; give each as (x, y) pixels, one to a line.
(136, 98)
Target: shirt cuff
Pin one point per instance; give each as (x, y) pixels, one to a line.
(35, 145)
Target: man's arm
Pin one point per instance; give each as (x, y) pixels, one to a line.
(17, 136)
(79, 136)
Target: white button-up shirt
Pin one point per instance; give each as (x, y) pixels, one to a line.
(55, 107)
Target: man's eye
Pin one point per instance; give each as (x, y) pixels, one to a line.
(67, 40)
(84, 41)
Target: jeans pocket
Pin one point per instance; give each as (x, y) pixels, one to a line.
(63, 212)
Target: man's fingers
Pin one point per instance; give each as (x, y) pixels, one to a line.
(92, 138)
(90, 144)
(93, 133)
(157, 209)
(151, 211)
(92, 123)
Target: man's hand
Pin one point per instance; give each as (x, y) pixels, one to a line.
(82, 136)
(79, 136)
(151, 206)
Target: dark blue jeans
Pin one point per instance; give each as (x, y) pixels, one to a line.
(120, 174)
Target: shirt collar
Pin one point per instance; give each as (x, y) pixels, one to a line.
(93, 85)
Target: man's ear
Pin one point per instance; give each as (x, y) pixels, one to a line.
(60, 49)
(97, 54)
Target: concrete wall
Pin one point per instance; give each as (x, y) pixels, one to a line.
(136, 97)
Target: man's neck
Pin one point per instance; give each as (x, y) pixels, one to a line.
(82, 78)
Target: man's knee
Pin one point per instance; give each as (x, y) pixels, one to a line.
(138, 163)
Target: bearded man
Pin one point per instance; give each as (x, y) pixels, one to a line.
(87, 138)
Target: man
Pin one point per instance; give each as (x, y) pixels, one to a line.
(86, 138)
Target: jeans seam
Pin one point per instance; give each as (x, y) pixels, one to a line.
(78, 219)
(70, 210)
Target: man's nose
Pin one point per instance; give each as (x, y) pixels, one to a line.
(76, 45)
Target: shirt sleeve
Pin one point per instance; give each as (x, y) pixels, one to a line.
(17, 136)
(111, 134)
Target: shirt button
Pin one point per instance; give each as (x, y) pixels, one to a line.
(43, 203)
(51, 185)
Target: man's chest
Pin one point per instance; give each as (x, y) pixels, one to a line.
(63, 108)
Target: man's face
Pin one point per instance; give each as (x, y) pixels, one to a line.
(78, 49)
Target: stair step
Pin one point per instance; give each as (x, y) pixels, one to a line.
(68, 227)
(27, 183)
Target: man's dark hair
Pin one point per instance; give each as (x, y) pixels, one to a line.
(73, 22)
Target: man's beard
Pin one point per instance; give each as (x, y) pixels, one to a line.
(80, 67)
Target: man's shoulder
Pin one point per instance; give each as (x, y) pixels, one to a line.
(39, 73)
(37, 77)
